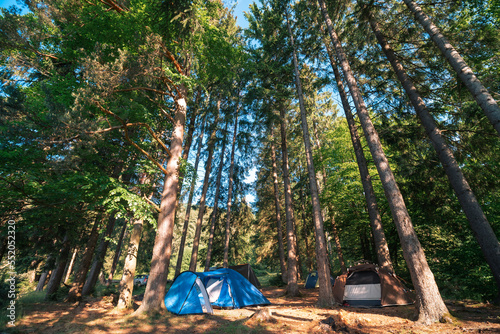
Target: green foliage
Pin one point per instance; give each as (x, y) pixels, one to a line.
(101, 290)
(274, 280)
(4, 290)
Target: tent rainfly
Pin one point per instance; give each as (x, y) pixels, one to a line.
(246, 271)
(366, 285)
(193, 293)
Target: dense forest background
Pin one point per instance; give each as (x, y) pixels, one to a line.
(89, 103)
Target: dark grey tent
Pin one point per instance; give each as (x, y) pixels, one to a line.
(366, 285)
(247, 272)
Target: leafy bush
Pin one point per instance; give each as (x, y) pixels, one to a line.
(101, 290)
(275, 280)
(4, 291)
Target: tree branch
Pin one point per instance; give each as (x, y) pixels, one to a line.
(152, 134)
(127, 138)
(152, 203)
(167, 115)
(171, 57)
(140, 88)
(113, 5)
(87, 133)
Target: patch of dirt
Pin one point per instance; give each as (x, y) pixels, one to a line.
(285, 315)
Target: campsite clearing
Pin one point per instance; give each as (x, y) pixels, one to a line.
(289, 315)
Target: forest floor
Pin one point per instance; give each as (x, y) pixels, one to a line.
(288, 315)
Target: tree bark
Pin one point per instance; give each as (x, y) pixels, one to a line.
(189, 141)
(430, 305)
(45, 274)
(296, 245)
(99, 258)
(338, 246)
(70, 267)
(381, 247)
(216, 203)
(305, 227)
(43, 279)
(208, 167)
(292, 287)
(3, 248)
(75, 293)
(213, 220)
(278, 212)
(190, 201)
(57, 273)
(162, 249)
(465, 73)
(325, 298)
(230, 189)
(127, 282)
(118, 253)
(478, 222)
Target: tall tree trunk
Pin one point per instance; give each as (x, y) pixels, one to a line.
(99, 257)
(57, 273)
(325, 288)
(127, 282)
(305, 227)
(190, 201)
(43, 279)
(162, 249)
(278, 212)
(230, 189)
(46, 272)
(365, 245)
(336, 237)
(430, 305)
(381, 247)
(338, 246)
(70, 267)
(189, 140)
(481, 227)
(75, 293)
(208, 167)
(213, 221)
(3, 248)
(465, 73)
(296, 242)
(33, 268)
(118, 252)
(216, 202)
(292, 287)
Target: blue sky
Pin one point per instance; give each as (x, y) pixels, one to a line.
(7, 3)
(241, 6)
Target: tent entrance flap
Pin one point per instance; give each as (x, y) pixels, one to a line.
(203, 297)
(214, 287)
(363, 295)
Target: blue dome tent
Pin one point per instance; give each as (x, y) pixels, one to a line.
(196, 292)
